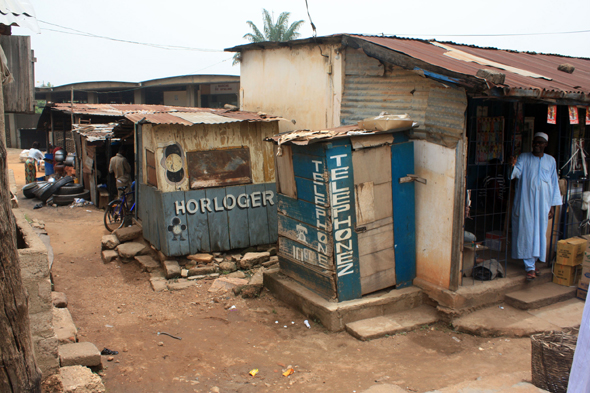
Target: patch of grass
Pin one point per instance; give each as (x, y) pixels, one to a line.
(274, 311)
(28, 219)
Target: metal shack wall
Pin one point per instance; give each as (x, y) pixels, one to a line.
(302, 84)
(371, 87)
(183, 221)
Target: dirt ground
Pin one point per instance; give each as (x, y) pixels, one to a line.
(114, 306)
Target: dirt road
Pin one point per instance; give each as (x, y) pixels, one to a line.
(114, 306)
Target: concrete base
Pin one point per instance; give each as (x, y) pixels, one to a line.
(403, 321)
(507, 321)
(80, 379)
(79, 354)
(540, 296)
(64, 327)
(481, 294)
(334, 316)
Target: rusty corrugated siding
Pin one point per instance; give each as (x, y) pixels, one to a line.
(398, 91)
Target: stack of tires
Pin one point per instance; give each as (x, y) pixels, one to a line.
(64, 191)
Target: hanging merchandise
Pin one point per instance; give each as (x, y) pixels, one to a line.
(578, 159)
(588, 115)
(573, 112)
(551, 114)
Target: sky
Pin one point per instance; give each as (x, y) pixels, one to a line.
(205, 28)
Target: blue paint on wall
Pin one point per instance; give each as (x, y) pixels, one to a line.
(198, 225)
(237, 219)
(271, 211)
(257, 214)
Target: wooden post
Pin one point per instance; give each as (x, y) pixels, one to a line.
(18, 370)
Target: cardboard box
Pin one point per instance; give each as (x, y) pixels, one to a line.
(581, 294)
(566, 275)
(570, 252)
(585, 278)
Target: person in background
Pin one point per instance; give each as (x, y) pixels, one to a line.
(537, 194)
(120, 167)
(32, 163)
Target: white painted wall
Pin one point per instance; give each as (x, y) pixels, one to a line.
(434, 211)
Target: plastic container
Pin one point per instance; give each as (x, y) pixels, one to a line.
(49, 164)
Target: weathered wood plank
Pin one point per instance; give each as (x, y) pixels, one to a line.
(364, 203)
(375, 240)
(303, 254)
(312, 191)
(306, 212)
(377, 262)
(321, 284)
(372, 164)
(308, 235)
(309, 167)
(272, 212)
(197, 222)
(383, 200)
(239, 236)
(174, 226)
(284, 172)
(375, 224)
(257, 215)
(339, 162)
(378, 281)
(217, 218)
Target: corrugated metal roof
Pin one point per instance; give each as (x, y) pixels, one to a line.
(163, 114)
(19, 13)
(518, 65)
(95, 132)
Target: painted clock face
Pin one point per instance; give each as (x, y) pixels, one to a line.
(173, 163)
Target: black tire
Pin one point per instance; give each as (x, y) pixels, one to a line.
(70, 189)
(29, 190)
(41, 189)
(114, 215)
(63, 200)
(54, 187)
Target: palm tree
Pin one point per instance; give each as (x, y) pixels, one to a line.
(278, 31)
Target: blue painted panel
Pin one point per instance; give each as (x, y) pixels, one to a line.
(339, 162)
(309, 167)
(306, 212)
(271, 210)
(160, 222)
(237, 218)
(257, 214)
(175, 227)
(312, 191)
(315, 149)
(313, 280)
(198, 225)
(217, 218)
(308, 235)
(303, 254)
(404, 214)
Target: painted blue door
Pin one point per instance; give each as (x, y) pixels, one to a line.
(404, 215)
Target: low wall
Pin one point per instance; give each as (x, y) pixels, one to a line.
(35, 275)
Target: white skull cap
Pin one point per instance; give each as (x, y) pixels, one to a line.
(542, 135)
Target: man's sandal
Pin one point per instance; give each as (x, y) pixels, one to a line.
(530, 275)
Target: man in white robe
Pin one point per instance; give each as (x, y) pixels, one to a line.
(537, 194)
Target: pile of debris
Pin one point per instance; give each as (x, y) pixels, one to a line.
(241, 272)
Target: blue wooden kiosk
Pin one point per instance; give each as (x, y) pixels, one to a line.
(206, 179)
(346, 224)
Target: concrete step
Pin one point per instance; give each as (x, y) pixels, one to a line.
(147, 263)
(79, 354)
(64, 327)
(507, 321)
(539, 296)
(403, 321)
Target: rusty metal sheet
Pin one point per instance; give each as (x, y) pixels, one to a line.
(223, 167)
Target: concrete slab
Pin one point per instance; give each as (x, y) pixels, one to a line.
(147, 263)
(507, 321)
(64, 327)
(80, 379)
(79, 354)
(333, 315)
(539, 296)
(503, 383)
(128, 233)
(372, 328)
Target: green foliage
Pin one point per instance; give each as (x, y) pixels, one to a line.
(273, 31)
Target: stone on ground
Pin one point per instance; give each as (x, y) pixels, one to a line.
(109, 255)
(371, 328)
(203, 258)
(64, 327)
(126, 234)
(59, 299)
(238, 274)
(228, 266)
(248, 291)
(180, 284)
(158, 281)
(109, 242)
(252, 259)
(147, 263)
(79, 379)
(197, 271)
(128, 251)
(226, 284)
(171, 269)
(271, 262)
(518, 382)
(257, 278)
(184, 273)
(79, 354)
(540, 296)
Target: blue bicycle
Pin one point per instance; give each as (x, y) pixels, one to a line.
(118, 213)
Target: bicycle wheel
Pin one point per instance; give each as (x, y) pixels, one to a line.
(114, 215)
